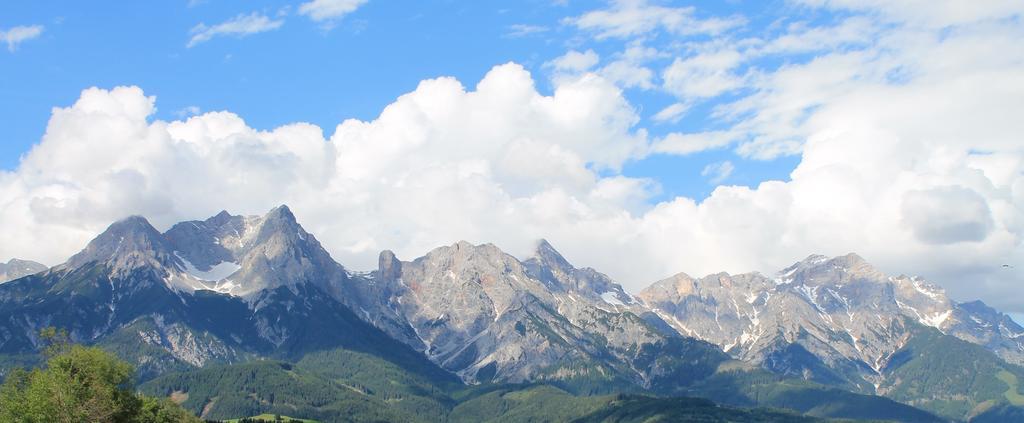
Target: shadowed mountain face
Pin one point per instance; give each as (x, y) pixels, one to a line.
(232, 289)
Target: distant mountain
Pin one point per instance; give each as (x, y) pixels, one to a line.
(836, 321)
(16, 268)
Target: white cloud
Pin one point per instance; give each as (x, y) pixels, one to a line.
(630, 18)
(718, 172)
(628, 74)
(624, 72)
(472, 164)
(671, 113)
(910, 154)
(523, 30)
(689, 143)
(574, 62)
(948, 214)
(19, 34)
(704, 75)
(187, 111)
(802, 38)
(240, 26)
(935, 14)
(324, 10)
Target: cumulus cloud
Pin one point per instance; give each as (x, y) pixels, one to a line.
(910, 154)
(240, 26)
(19, 34)
(946, 215)
(325, 10)
(471, 163)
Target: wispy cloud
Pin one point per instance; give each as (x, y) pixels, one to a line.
(718, 172)
(523, 30)
(630, 18)
(672, 113)
(240, 26)
(187, 111)
(689, 143)
(325, 10)
(16, 35)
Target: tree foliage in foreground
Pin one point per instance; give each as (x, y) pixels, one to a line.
(81, 384)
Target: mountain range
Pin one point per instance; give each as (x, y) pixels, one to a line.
(208, 302)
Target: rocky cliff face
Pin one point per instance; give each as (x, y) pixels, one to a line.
(242, 256)
(835, 320)
(485, 315)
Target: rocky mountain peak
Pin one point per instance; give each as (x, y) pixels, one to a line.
(818, 270)
(388, 266)
(550, 267)
(464, 254)
(987, 314)
(280, 222)
(546, 254)
(274, 250)
(220, 219)
(17, 268)
(125, 245)
(281, 213)
(670, 289)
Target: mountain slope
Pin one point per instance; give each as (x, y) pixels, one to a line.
(950, 376)
(224, 392)
(340, 386)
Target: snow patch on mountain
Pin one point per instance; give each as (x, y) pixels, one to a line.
(217, 273)
(612, 298)
(936, 320)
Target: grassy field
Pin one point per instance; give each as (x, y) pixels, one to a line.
(1013, 394)
(270, 418)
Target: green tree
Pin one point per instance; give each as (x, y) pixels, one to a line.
(80, 384)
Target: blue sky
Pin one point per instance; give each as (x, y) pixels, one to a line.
(304, 71)
(641, 137)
